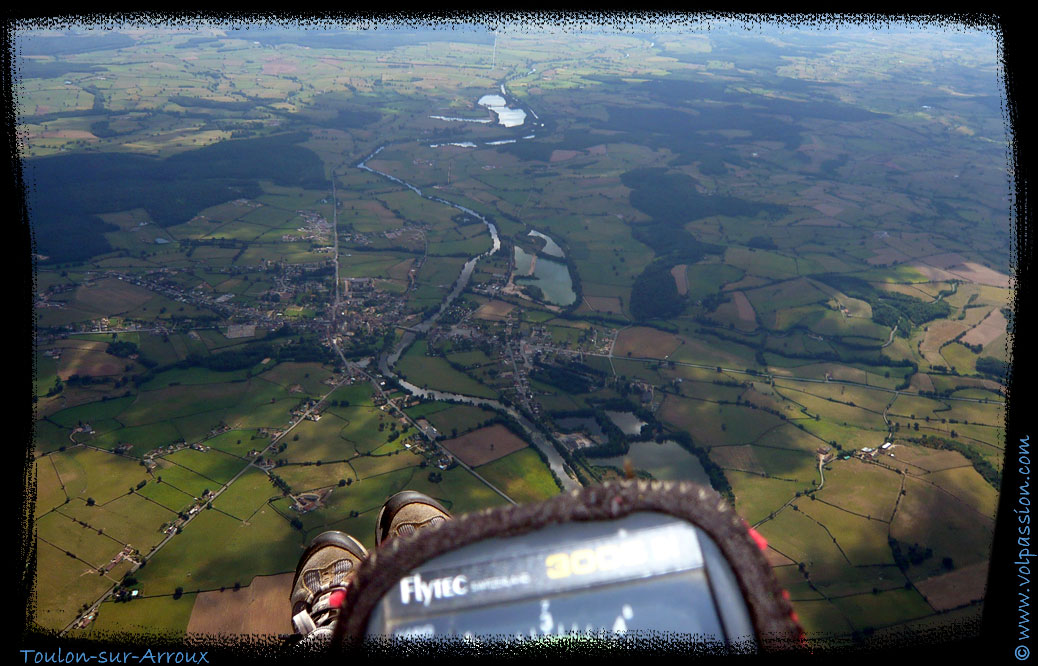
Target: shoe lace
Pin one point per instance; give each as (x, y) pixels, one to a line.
(319, 613)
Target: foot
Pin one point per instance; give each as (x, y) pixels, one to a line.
(407, 512)
(319, 588)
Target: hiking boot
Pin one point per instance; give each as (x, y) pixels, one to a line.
(407, 512)
(319, 588)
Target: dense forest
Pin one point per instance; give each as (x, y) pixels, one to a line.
(671, 200)
(673, 197)
(993, 367)
(171, 190)
(654, 294)
(568, 379)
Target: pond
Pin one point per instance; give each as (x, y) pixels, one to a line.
(506, 116)
(627, 422)
(550, 246)
(552, 277)
(463, 120)
(666, 461)
(576, 423)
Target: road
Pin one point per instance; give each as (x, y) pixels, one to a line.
(335, 258)
(890, 340)
(357, 369)
(274, 442)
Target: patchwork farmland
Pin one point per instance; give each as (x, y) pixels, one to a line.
(329, 274)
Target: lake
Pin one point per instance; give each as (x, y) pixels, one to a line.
(506, 116)
(576, 423)
(627, 422)
(666, 461)
(552, 277)
(550, 246)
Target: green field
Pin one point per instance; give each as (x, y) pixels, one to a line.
(459, 419)
(434, 372)
(235, 553)
(159, 616)
(521, 475)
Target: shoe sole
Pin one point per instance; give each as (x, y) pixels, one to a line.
(331, 538)
(393, 504)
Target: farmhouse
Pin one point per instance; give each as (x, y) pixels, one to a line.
(427, 428)
(306, 503)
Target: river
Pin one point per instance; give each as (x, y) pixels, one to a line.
(388, 360)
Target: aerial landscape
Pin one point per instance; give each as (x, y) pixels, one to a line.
(284, 271)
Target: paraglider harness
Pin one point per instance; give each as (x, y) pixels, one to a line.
(623, 560)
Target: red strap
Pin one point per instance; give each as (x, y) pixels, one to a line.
(761, 542)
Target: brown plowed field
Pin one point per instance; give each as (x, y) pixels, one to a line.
(921, 382)
(937, 334)
(494, 310)
(645, 342)
(955, 588)
(484, 445)
(986, 331)
(261, 608)
(982, 275)
(967, 270)
(744, 306)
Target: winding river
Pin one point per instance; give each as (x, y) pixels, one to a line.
(386, 361)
